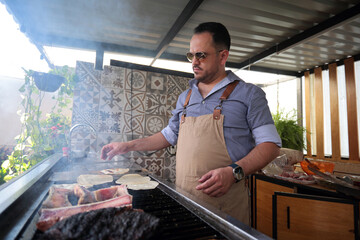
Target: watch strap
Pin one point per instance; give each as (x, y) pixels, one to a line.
(233, 165)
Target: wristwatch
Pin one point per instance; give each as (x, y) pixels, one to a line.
(238, 172)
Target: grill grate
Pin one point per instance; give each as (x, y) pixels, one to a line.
(176, 222)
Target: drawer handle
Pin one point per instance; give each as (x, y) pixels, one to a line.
(288, 217)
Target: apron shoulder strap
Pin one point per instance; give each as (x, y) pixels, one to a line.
(185, 105)
(187, 98)
(230, 87)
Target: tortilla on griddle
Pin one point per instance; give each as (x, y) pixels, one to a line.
(116, 171)
(137, 182)
(143, 186)
(89, 180)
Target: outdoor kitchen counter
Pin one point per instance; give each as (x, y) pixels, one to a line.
(19, 210)
(320, 187)
(283, 209)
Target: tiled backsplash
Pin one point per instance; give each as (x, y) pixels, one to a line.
(124, 104)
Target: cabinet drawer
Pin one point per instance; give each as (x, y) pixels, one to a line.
(264, 191)
(298, 216)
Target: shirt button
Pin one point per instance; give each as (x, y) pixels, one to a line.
(203, 102)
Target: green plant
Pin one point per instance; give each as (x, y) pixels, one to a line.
(291, 134)
(41, 134)
(56, 130)
(3, 173)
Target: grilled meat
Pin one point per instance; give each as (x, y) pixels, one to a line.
(108, 223)
(84, 195)
(111, 192)
(58, 197)
(52, 215)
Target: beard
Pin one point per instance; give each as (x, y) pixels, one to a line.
(200, 77)
(204, 76)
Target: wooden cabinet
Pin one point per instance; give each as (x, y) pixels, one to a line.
(299, 216)
(263, 204)
(281, 212)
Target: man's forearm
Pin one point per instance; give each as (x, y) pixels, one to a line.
(259, 157)
(151, 143)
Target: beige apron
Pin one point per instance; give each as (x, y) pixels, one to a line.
(201, 148)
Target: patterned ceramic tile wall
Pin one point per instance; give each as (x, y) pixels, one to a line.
(124, 104)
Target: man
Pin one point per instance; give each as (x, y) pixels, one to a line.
(222, 127)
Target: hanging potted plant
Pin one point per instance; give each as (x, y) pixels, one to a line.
(40, 135)
(47, 82)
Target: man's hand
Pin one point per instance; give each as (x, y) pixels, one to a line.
(216, 182)
(114, 148)
(151, 143)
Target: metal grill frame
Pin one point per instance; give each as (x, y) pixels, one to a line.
(19, 214)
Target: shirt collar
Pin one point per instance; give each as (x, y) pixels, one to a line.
(230, 77)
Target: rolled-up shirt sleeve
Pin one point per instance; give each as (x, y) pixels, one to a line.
(169, 135)
(266, 133)
(260, 119)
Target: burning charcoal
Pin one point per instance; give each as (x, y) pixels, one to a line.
(107, 223)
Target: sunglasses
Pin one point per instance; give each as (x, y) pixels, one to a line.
(198, 55)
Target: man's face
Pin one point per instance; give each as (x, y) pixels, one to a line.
(205, 70)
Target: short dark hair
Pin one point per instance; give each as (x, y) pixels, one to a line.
(220, 34)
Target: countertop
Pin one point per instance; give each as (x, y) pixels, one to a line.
(320, 187)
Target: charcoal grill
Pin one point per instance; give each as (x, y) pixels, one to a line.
(181, 215)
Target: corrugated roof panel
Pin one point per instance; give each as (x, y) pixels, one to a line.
(256, 25)
(257, 28)
(116, 22)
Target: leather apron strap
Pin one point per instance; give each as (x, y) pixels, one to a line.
(217, 110)
(224, 96)
(185, 105)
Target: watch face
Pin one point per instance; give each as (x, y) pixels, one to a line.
(238, 173)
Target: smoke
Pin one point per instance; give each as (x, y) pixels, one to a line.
(9, 103)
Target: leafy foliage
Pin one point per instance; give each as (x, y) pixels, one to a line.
(3, 173)
(291, 134)
(41, 134)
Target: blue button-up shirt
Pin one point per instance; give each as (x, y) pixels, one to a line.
(247, 118)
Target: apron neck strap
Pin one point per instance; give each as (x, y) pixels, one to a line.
(230, 87)
(217, 110)
(187, 98)
(185, 105)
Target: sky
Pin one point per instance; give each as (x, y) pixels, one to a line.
(17, 52)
